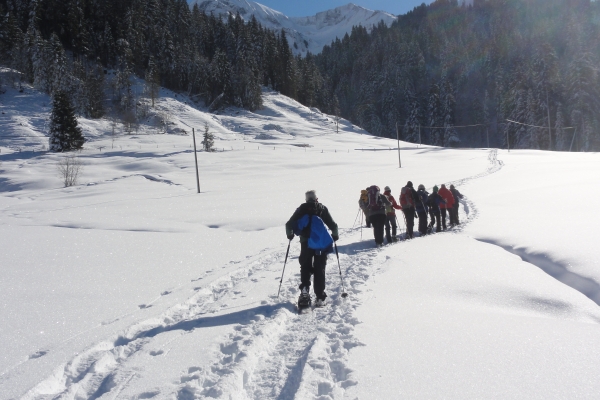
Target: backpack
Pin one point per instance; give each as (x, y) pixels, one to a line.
(406, 199)
(319, 238)
(364, 196)
(375, 202)
(389, 209)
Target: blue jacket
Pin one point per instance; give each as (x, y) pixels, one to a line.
(434, 200)
(314, 230)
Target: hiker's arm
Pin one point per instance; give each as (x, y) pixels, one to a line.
(289, 226)
(328, 220)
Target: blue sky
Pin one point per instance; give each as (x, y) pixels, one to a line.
(303, 8)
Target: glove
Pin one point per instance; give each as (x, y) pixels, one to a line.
(290, 236)
(335, 238)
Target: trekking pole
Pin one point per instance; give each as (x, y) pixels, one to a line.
(398, 223)
(356, 218)
(283, 272)
(344, 294)
(361, 224)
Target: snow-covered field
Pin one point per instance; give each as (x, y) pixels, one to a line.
(130, 285)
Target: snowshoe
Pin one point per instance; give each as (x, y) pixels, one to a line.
(304, 299)
(320, 303)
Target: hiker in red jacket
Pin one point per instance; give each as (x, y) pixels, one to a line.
(447, 206)
(391, 216)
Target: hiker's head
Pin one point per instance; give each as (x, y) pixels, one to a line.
(409, 184)
(421, 187)
(451, 186)
(387, 189)
(443, 186)
(435, 189)
(311, 196)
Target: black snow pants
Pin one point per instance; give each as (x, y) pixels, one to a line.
(409, 214)
(455, 213)
(435, 216)
(378, 222)
(311, 263)
(444, 218)
(390, 222)
(422, 222)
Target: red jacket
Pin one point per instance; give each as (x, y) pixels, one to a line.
(393, 201)
(447, 196)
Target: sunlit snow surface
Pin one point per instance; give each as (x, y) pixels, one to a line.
(130, 285)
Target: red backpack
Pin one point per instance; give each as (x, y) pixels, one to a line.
(375, 202)
(406, 198)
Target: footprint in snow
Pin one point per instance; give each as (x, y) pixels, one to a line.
(166, 292)
(38, 354)
(142, 306)
(156, 353)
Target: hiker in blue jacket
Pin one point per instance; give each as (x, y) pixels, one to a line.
(308, 222)
(433, 202)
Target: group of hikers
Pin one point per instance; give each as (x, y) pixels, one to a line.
(311, 220)
(380, 210)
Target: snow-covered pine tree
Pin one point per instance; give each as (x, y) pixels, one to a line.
(336, 113)
(560, 134)
(546, 82)
(77, 28)
(65, 134)
(208, 139)
(584, 99)
(448, 103)
(93, 91)
(434, 119)
(152, 80)
(533, 137)
(123, 82)
(411, 126)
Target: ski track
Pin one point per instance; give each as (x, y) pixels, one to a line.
(271, 353)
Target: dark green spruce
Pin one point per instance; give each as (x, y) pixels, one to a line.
(65, 134)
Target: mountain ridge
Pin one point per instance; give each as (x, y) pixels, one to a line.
(305, 34)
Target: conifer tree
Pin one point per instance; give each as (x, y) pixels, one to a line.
(208, 140)
(152, 80)
(65, 134)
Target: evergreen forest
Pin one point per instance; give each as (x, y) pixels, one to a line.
(517, 73)
(442, 68)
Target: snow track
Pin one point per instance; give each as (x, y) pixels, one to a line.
(272, 352)
(287, 355)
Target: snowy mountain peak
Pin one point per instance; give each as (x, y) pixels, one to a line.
(305, 34)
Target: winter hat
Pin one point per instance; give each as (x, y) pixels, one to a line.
(311, 195)
(387, 189)
(443, 186)
(435, 189)
(451, 186)
(421, 187)
(409, 184)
